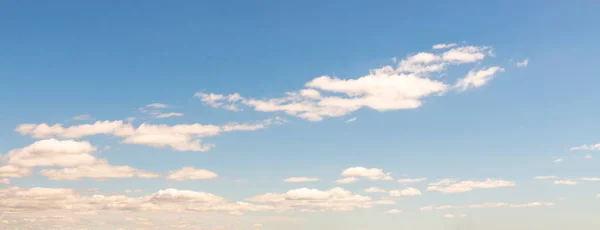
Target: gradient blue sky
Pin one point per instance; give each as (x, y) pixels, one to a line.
(108, 59)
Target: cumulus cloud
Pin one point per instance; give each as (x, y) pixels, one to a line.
(523, 64)
(167, 115)
(385, 89)
(354, 173)
(374, 190)
(393, 211)
(443, 46)
(347, 180)
(411, 180)
(4, 181)
(476, 79)
(14, 171)
(566, 182)
(189, 173)
(314, 200)
(594, 147)
(405, 192)
(454, 186)
(180, 137)
(301, 179)
(96, 171)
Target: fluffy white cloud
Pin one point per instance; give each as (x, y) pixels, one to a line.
(586, 147)
(189, 173)
(393, 211)
(96, 171)
(374, 190)
(385, 201)
(443, 46)
(14, 171)
(452, 186)
(590, 179)
(167, 115)
(4, 181)
(411, 180)
(369, 173)
(313, 200)
(545, 177)
(181, 137)
(157, 106)
(351, 120)
(384, 89)
(347, 180)
(301, 179)
(52, 152)
(557, 160)
(523, 64)
(405, 192)
(475, 79)
(488, 205)
(566, 182)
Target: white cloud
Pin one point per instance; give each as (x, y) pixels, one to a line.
(405, 192)
(590, 179)
(347, 180)
(189, 173)
(443, 46)
(384, 201)
(96, 171)
(313, 200)
(411, 180)
(369, 173)
(449, 216)
(385, 89)
(598, 196)
(566, 182)
(52, 152)
(301, 179)
(180, 137)
(451, 186)
(545, 177)
(557, 160)
(374, 190)
(14, 171)
(488, 205)
(4, 181)
(157, 106)
(586, 147)
(351, 120)
(133, 191)
(167, 115)
(476, 79)
(82, 117)
(393, 211)
(523, 64)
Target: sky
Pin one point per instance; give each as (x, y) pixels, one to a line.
(268, 115)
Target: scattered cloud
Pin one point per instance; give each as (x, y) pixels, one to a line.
(127, 191)
(189, 173)
(314, 200)
(476, 79)
(347, 180)
(351, 120)
(566, 182)
(557, 160)
(487, 205)
(594, 147)
(167, 115)
(301, 179)
(393, 211)
(545, 177)
(374, 190)
(453, 186)
(83, 117)
(157, 106)
(443, 46)
(411, 180)
(4, 181)
(405, 192)
(523, 64)
(96, 171)
(590, 179)
(385, 201)
(354, 173)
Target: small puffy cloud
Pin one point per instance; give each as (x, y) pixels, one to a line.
(374, 190)
(301, 179)
(351, 120)
(347, 180)
(157, 106)
(557, 160)
(52, 152)
(189, 173)
(220, 101)
(411, 180)
(545, 177)
(405, 192)
(443, 46)
(82, 117)
(369, 173)
(452, 186)
(566, 182)
(314, 200)
(393, 211)
(523, 64)
(594, 147)
(167, 115)
(478, 78)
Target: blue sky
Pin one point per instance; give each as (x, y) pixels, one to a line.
(513, 97)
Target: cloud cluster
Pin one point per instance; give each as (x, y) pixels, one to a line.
(455, 186)
(388, 88)
(181, 137)
(314, 200)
